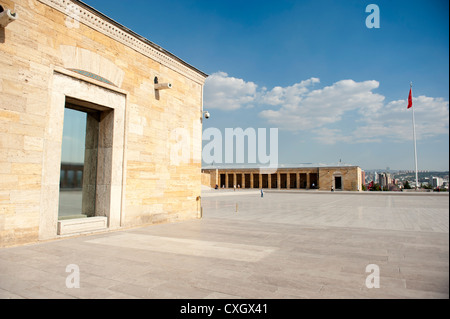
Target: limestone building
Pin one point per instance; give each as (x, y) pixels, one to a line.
(340, 178)
(90, 115)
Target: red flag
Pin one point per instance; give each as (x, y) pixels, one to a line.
(410, 99)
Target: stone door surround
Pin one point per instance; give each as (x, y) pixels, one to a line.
(65, 87)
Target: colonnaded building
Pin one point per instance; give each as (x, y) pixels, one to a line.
(89, 112)
(338, 178)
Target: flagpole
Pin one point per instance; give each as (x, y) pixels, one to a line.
(415, 144)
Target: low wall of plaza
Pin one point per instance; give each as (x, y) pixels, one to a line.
(344, 178)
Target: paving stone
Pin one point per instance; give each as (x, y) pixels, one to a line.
(297, 245)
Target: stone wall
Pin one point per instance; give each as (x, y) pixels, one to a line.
(350, 176)
(206, 179)
(46, 41)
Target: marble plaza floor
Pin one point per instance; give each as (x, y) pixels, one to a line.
(285, 245)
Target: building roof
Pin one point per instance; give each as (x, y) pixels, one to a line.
(280, 166)
(129, 33)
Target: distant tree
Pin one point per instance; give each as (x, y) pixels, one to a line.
(406, 185)
(376, 188)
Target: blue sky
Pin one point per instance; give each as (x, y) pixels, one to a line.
(335, 89)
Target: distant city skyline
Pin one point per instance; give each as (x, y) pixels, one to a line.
(334, 88)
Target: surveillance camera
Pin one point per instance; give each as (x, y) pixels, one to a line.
(163, 86)
(207, 115)
(6, 17)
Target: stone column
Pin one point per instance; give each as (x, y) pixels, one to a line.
(298, 180)
(260, 181)
(269, 180)
(215, 178)
(251, 180)
(278, 180)
(90, 167)
(218, 178)
(288, 180)
(307, 181)
(226, 180)
(243, 180)
(105, 167)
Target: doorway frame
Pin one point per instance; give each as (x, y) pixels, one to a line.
(110, 191)
(334, 182)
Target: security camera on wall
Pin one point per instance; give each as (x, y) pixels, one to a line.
(163, 86)
(6, 17)
(207, 115)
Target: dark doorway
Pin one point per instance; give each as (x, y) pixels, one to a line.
(303, 181)
(222, 180)
(265, 181)
(283, 180)
(274, 181)
(314, 181)
(293, 181)
(238, 180)
(247, 181)
(230, 181)
(256, 180)
(338, 182)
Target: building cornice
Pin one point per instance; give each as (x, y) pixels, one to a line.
(92, 18)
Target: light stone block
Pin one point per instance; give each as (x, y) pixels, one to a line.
(33, 143)
(82, 225)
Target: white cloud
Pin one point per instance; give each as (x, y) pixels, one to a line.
(320, 111)
(302, 109)
(289, 96)
(395, 121)
(228, 93)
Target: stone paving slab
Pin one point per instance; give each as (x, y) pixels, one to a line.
(280, 246)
